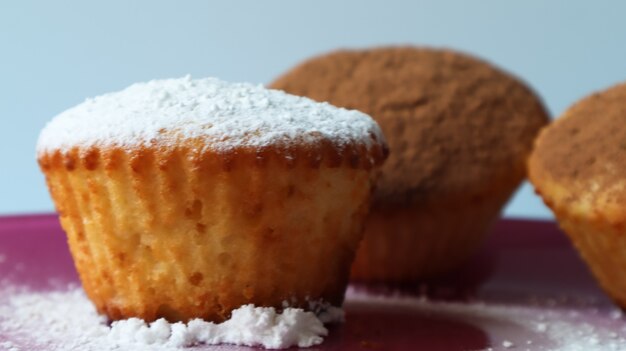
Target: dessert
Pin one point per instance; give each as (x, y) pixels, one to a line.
(459, 132)
(188, 198)
(578, 167)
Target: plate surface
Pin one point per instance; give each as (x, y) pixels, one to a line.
(526, 281)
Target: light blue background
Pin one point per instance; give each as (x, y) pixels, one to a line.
(53, 54)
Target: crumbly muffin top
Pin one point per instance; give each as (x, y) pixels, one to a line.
(588, 143)
(225, 115)
(451, 120)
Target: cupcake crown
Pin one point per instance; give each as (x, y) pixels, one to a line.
(225, 116)
(587, 145)
(453, 122)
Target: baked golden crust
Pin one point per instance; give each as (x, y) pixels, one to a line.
(325, 153)
(182, 233)
(577, 168)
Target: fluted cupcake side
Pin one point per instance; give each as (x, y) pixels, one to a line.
(430, 238)
(181, 233)
(594, 222)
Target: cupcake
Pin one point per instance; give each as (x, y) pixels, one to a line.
(578, 167)
(459, 133)
(188, 198)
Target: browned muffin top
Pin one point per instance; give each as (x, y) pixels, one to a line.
(452, 121)
(589, 141)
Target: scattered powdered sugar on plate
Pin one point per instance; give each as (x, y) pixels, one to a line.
(66, 320)
(225, 115)
(8, 346)
(517, 327)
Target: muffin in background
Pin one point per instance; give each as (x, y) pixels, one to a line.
(188, 198)
(578, 167)
(459, 132)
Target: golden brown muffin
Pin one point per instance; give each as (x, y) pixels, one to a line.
(578, 166)
(189, 198)
(459, 132)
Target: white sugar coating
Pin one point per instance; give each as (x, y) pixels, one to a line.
(224, 115)
(248, 325)
(8, 346)
(68, 321)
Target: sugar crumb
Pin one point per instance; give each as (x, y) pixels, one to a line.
(616, 314)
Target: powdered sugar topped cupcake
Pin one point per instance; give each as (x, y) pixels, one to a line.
(188, 198)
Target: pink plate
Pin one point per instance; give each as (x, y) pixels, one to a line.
(526, 289)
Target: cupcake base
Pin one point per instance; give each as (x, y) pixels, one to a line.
(596, 225)
(408, 244)
(181, 234)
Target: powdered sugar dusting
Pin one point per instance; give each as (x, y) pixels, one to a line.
(225, 115)
(8, 346)
(514, 327)
(66, 320)
(248, 325)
